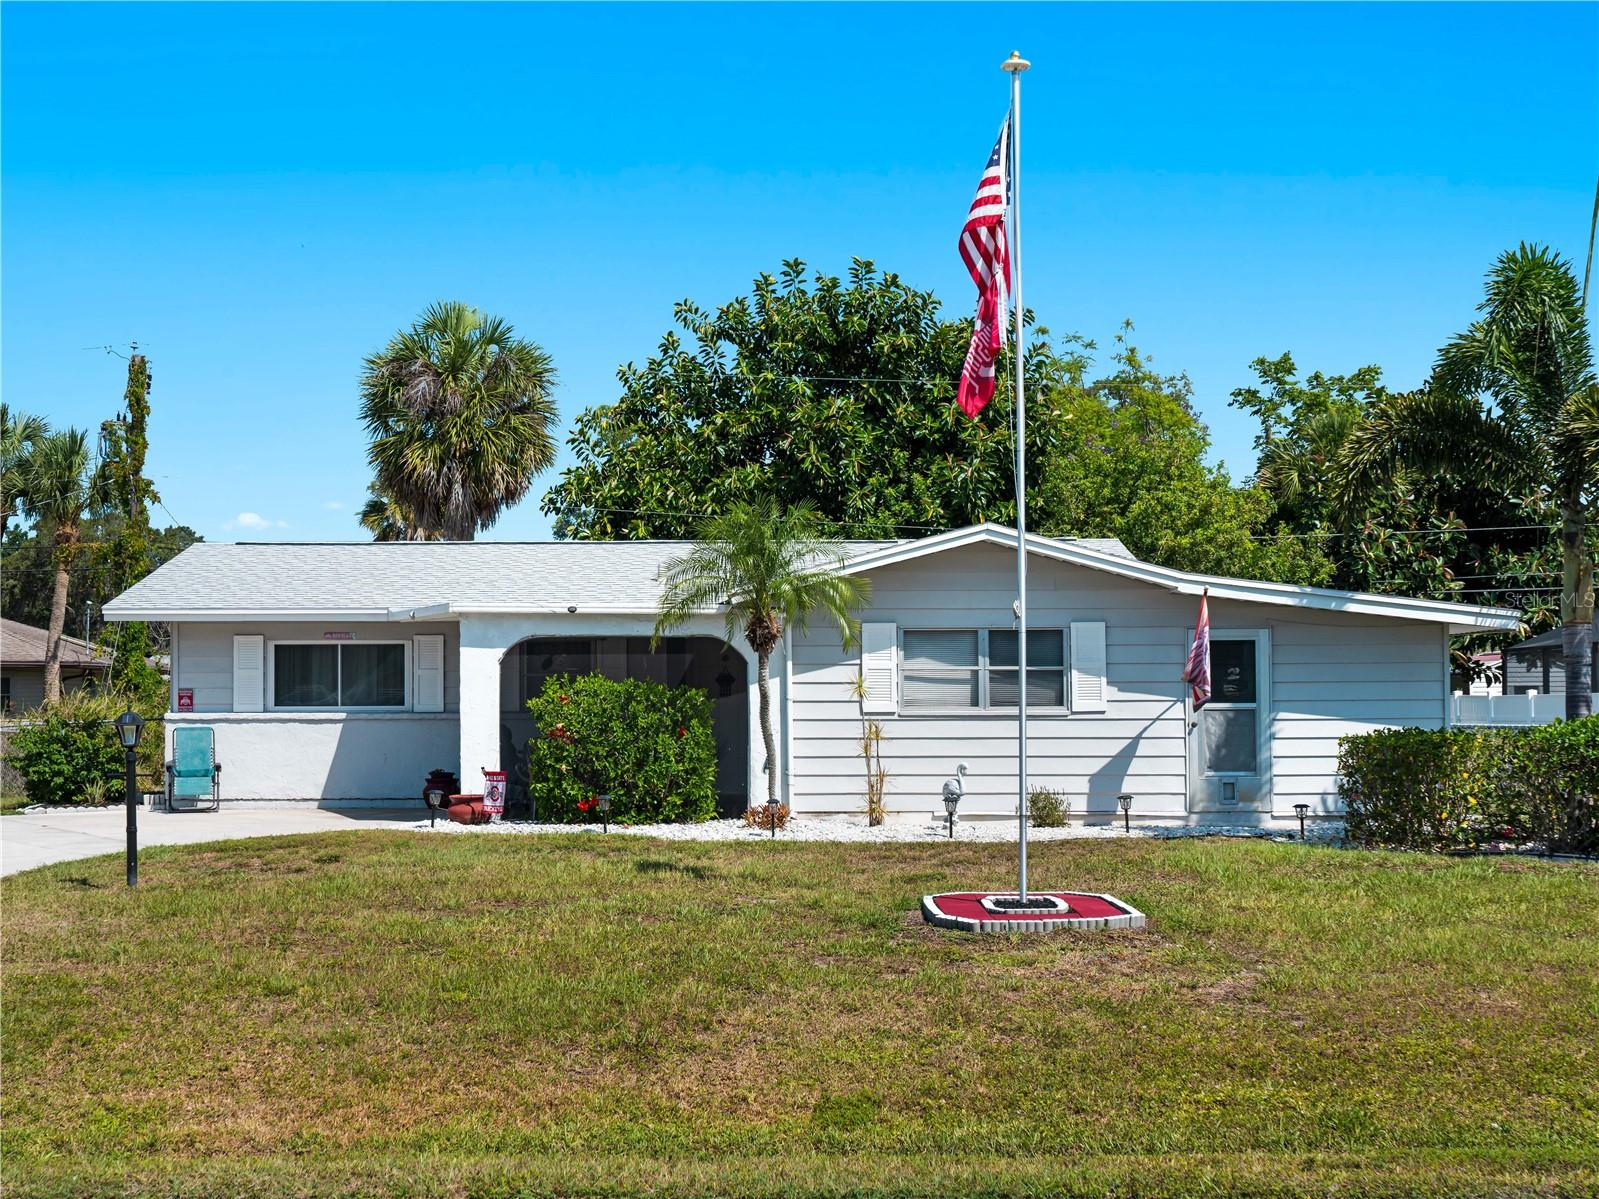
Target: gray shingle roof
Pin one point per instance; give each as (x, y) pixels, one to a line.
(377, 576)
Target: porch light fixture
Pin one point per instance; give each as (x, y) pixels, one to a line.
(604, 806)
(1126, 802)
(1300, 809)
(129, 725)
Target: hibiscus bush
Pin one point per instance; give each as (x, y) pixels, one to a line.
(649, 746)
(1462, 788)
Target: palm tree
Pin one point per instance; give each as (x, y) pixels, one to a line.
(771, 568)
(1530, 356)
(19, 432)
(461, 418)
(386, 520)
(62, 489)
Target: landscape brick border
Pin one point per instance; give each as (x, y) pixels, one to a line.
(1131, 917)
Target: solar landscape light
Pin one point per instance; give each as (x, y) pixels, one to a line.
(1300, 809)
(129, 725)
(1126, 802)
(605, 812)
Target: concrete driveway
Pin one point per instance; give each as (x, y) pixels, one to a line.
(29, 839)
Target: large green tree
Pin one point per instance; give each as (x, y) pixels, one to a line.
(1514, 402)
(461, 416)
(1130, 463)
(768, 568)
(19, 432)
(839, 392)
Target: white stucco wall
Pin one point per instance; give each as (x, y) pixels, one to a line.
(326, 755)
(1328, 674)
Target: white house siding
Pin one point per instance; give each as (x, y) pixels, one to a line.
(1328, 675)
(313, 755)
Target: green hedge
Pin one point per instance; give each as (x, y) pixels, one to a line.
(61, 749)
(1461, 788)
(650, 747)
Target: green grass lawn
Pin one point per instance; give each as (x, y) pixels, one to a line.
(395, 1013)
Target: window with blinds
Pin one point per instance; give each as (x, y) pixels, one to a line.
(977, 669)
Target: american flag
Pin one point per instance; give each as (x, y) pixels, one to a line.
(1197, 673)
(987, 257)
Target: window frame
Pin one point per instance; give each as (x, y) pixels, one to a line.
(271, 704)
(983, 667)
(1261, 706)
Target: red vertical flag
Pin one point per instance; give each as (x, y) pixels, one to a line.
(1197, 673)
(987, 257)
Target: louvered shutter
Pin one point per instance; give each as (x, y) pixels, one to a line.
(878, 668)
(1088, 666)
(249, 672)
(427, 658)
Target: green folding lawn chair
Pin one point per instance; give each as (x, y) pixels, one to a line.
(194, 776)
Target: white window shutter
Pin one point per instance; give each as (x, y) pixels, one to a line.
(1088, 666)
(427, 659)
(249, 672)
(878, 674)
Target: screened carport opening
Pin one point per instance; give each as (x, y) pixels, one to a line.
(702, 662)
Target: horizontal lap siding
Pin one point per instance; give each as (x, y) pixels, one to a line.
(1333, 677)
(203, 654)
(1135, 745)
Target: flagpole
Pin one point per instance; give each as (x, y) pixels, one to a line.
(1015, 65)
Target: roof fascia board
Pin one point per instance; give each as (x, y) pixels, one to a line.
(172, 615)
(1459, 617)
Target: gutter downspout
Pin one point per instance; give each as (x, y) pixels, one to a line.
(786, 750)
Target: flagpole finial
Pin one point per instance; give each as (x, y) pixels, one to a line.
(1015, 64)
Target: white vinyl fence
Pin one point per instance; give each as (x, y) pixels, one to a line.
(1531, 708)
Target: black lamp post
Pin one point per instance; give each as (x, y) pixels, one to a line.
(1126, 802)
(1300, 809)
(604, 806)
(129, 725)
(951, 802)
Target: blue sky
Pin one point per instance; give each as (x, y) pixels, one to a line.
(261, 195)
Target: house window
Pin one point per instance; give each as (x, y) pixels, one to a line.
(1231, 718)
(340, 675)
(976, 669)
(5, 694)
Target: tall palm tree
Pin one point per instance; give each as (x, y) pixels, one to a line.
(1530, 358)
(19, 432)
(771, 568)
(63, 488)
(461, 418)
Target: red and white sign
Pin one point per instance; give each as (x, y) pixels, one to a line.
(338, 635)
(494, 792)
(185, 699)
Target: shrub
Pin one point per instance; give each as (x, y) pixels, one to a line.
(65, 749)
(1047, 809)
(766, 815)
(650, 747)
(1460, 788)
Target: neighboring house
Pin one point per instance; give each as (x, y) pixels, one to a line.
(350, 671)
(1538, 664)
(23, 649)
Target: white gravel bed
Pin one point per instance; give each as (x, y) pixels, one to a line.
(855, 829)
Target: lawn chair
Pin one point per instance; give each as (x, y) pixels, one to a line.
(194, 776)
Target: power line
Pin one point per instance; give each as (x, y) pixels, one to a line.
(1411, 532)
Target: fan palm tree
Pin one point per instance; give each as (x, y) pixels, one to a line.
(384, 518)
(461, 418)
(19, 432)
(63, 488)
(1529, 356)
(771, 568)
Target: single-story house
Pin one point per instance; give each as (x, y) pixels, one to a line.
(1539, 663)
(23, 649)
(351, 670)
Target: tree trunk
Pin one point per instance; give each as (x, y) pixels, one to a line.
(58, 622)
(1576, 609)
(763, 676)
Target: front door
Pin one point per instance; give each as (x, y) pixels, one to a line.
(1227, 738)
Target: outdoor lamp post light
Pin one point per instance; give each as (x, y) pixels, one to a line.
(129, 725)
(1300, 809)
(605, 812)
(1126, 802)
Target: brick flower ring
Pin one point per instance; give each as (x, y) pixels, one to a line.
(1042, 912)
